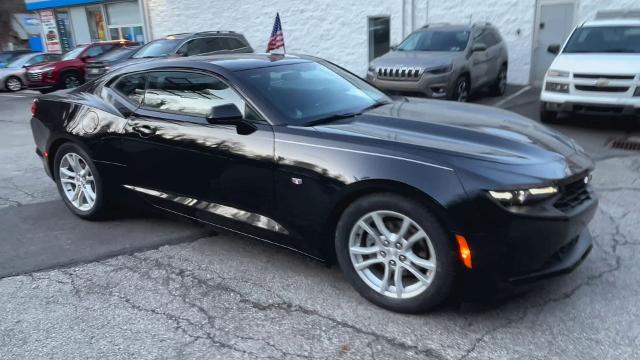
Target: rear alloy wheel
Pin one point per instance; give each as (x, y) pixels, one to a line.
(70, 81)
(79, 182)
(460, 91)
(395, 253)
(13, 84)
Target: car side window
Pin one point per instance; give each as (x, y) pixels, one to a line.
(191, 93)
(230, 43)
(132, 87)
(486, 37)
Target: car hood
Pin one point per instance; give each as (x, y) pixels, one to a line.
(47, 65)
(607, 64)
(421, 59)
(470, 131)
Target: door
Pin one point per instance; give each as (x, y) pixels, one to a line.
(554, 25)
(181, 162)
(480, 59)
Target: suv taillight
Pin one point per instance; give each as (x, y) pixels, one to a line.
(34, 107)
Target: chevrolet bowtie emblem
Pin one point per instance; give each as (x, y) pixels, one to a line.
(602, 82)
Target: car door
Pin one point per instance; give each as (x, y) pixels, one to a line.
(493, 54)
(479, 60)
(221, 173)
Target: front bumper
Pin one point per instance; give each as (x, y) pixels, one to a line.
(433, 86)
(523, 244)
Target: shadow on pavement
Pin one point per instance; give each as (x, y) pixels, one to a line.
(46, 235)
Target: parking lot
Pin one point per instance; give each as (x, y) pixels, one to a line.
(149, 286)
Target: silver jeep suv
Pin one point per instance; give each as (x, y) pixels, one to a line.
(444, 61)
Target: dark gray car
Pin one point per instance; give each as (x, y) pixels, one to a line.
(189, 44)
(444, 61)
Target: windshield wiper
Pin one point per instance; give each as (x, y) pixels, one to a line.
(335, 117)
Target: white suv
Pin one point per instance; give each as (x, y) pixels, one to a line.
(597, 71)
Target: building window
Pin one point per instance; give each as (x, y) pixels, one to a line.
(95, 18)
(124, 21)
(378, 36)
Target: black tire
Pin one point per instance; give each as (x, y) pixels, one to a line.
(13, 80)
(444, 276)
(547, 116)
(103, 204)
(461, 89)
(70, 80)
(499, 86)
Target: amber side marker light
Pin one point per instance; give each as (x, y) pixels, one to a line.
(464, 251)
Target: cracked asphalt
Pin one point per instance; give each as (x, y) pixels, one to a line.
(149, 287)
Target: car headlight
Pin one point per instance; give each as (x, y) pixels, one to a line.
(556, 87)
(440, 69)
(558, 73)
(637, 93)
(525, 196)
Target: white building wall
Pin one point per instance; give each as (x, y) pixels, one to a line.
(337, 29)
(332, 29)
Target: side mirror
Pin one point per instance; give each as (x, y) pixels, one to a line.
(393, 47)
(224, 114)
(479, 47)
(554, 49)
(84, 58)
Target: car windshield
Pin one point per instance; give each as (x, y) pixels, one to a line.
(157, 48)
(304, 93)
(20, 61)
(604, 39)
(73, 53)
(436, 41)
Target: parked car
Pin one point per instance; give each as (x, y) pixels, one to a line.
(597, 71)
(190, 44)
(68, 72)
(8, 56)
(103, 63)
(408, 195)
(444, 61)
(12, 77)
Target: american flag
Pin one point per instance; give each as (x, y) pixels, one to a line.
(276, 40)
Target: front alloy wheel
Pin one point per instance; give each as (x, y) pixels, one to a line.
(395, 253)
(71, 81)
(392, 254)
(461, 90)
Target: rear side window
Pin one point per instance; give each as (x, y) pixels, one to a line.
(188, 93)
(487, 38)
(233, 43)
(132, 87)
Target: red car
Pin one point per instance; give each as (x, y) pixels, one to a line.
(69, 71)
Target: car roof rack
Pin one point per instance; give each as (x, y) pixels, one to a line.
(215, 32)
(434, 24)
(618, 14)
(482, 23)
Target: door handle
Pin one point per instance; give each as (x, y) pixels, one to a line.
(144, 130)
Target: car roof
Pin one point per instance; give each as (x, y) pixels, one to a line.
(612, 22)
(202, 33)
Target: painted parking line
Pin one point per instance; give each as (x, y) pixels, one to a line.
(512, 96)
(18, 95)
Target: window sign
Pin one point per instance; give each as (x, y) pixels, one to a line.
(50, 30)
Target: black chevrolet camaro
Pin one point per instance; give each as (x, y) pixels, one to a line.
(409, 196)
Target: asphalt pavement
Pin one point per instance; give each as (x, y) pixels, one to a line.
(146, 286)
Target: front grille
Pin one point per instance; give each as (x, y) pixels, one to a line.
(609, 77)
(397, 73)
(615, 89)
(572, 195)
(33, 76)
